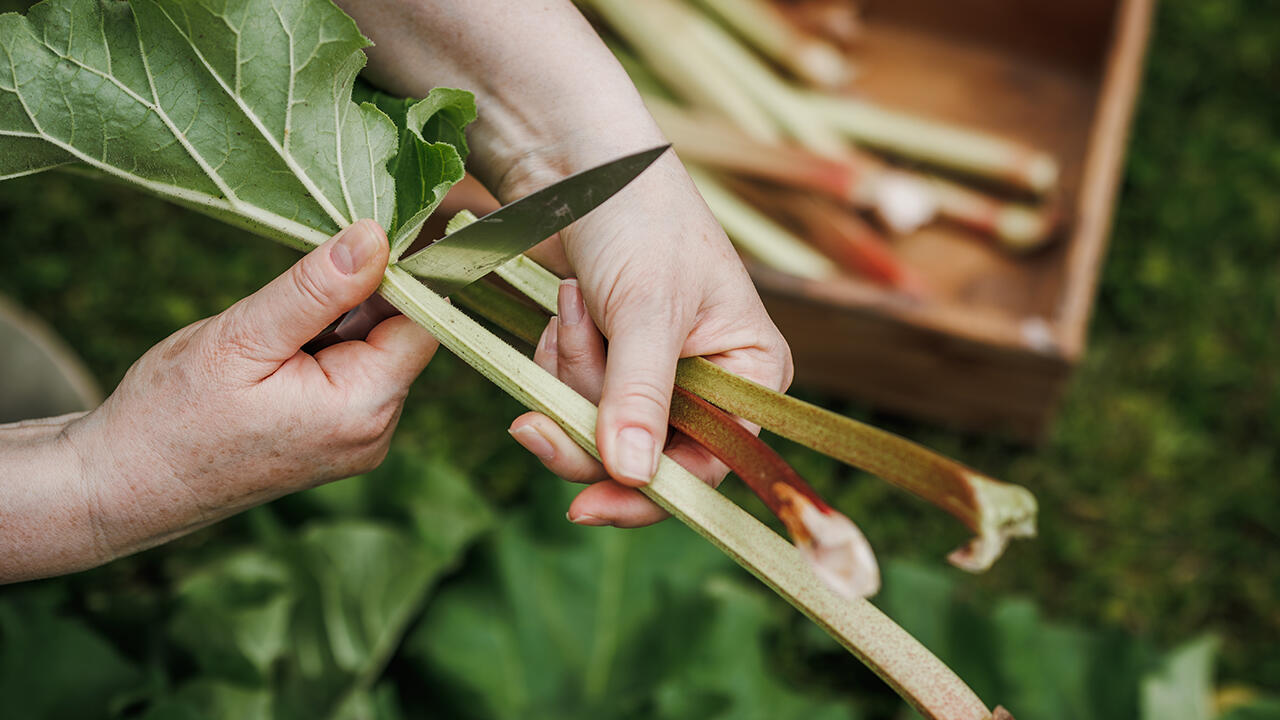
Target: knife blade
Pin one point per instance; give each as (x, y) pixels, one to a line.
(468, 254)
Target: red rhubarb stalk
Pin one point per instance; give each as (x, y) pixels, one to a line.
(837, 549)
(838, 233)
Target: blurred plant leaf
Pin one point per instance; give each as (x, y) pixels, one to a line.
(309, 622)
(1182, 687)
(579, 623)
(53, 665)
(1050, 671)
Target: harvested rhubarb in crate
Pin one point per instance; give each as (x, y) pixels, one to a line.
(922, 189)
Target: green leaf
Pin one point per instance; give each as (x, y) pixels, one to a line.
(574, 622)
(54, 666)
(1043, 670)
(210, 699)
(241, 110)
(235, 615)
(1182, 688)
(312, 620)
(433, 149)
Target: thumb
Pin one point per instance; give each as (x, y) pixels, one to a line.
(271, 325)
(636, 399)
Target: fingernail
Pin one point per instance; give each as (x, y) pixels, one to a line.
(589, 520)
(637, 459)
(570, 301)
(551, 338)
(353, 249)
(533, 441)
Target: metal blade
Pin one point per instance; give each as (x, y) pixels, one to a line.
(462, 257)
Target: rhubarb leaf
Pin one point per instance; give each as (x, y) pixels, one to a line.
(307, 622)
(568, 622)
(54, 665)
(433, 149)
(241, 110)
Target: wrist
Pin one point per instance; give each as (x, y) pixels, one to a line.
(532, 156)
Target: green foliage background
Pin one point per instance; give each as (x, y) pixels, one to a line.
(447, 583)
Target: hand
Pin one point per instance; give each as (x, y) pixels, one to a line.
(228, 413)
(657, 274)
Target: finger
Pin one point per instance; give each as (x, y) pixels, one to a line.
(558, 452)
(547, 355)
(696, 459)
(392, 357)
(639, 374)
(357, 324)
(580, 356)
(612, 503)
(550, 254)
(269, 326)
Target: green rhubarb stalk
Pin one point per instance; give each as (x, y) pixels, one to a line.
(918, 676)
(833, 545)
(503, 310)
(713, 142)
(902, 200)
(758, 236)
(1017, 227)
(995, 511)
(948, 146)
(770, 92)
(659, 32)
(775, 36)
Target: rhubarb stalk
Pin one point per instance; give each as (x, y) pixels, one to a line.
(833, 545)
(1015, 226)
(903, 201)
(837, 549)
(771, 32)
(948, 146)
(995, 511)
(917, 675)
(757, 235)
(659, 32)
(838, 233)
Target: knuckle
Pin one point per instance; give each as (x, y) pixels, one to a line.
(781, 362)
(645, 397)
(582, 474)
(575, 355)
(308, 281)
(233, 337)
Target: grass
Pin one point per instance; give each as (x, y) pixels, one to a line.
(1160, 487)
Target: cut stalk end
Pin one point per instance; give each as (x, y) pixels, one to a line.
(904, 203)
(835, 547)
(1007, 511)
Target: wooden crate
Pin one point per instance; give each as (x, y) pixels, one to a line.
(996, 345)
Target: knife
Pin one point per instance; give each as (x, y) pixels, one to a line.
(469, 253)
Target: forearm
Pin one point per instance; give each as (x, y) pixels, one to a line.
(68, 502)
(552, 99)
(45, 523)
